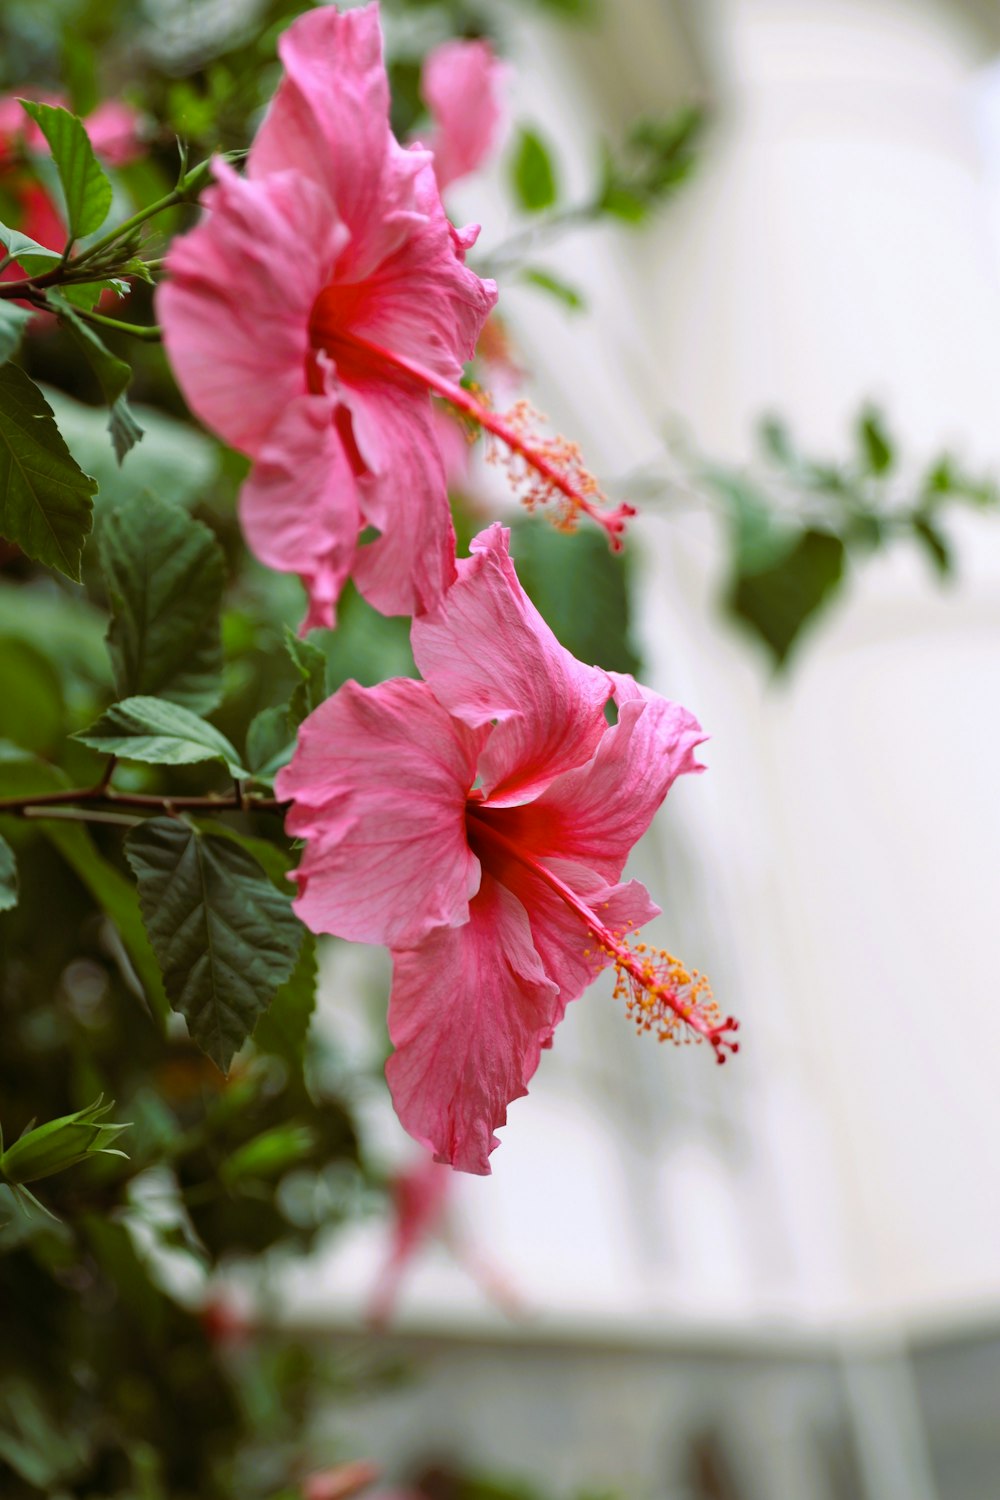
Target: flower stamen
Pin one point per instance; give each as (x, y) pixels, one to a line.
(551, 467)
(661, 995)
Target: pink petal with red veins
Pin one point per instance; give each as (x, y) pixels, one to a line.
(461, 85)
(379, 782)
(596, 813)
(299, 507)
(423, 301)
(470, 1010)
(330, 121)
(489, 656)
(235, 312)
(409, 567)
(570, 953)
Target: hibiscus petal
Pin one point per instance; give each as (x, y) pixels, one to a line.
(329, 121)
(470, 1010)
(299, 507)
(379, 781)
(423, 301)
(490, 658)
(409, 567)
(235, 312)
(597, 812)
(570, 953)
(461, 83)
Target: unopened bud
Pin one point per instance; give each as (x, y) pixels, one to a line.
(59, 1144)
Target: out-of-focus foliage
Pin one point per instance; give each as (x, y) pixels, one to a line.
(795, 524)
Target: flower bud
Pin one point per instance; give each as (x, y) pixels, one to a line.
(60, 1144)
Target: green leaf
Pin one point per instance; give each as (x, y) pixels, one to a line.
(24, 775)
(113, 375)
(174, 461)
(86, 188)
(32, 257)
(86, 294)
(778, 598)
(874, 444)
(8, 877)
(934, 543)
(165, 574)
(163, 733)
(310, 691)
(580, 588)
(533, 175)
(283, 1031)
(546, 282)
(31, 698)
(270, 743)
(12, 321)
(45, 498)
(226, 939)
(269, 1154)
(757, 536)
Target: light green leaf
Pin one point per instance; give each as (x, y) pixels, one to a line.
(8, 877)
(270, 743)
(532, 173)
(32, 257)
(45, 497)
(310, 664)
(226, 939)
(173, 461)
(554, 285)
(12, 321)
(86, 188)
(164, 573)
(874, 443)
(113, 374)
(163, 733)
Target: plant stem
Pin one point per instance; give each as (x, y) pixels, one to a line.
(148, 334)
(105, 796)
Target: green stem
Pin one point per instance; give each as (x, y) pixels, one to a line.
(149, 335)
(170, 200)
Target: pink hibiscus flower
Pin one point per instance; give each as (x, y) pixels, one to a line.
(477, 823)
(461, 85)
(311, 314)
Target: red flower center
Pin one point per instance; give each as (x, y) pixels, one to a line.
(660, 994)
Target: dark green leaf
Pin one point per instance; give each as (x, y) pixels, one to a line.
(874, 444)
(165, 574)
(532, 173)
(310, 691)
(270, 743)
(12, 321)
(934, 544)
(8, 877)
(113, 375)
(284, 1029)
(86, 188)
(163, 733)
(581, 589)
(226, 939)
(758, 536)
(45, 498)
(23, 775)
(566, 294)
(778, 598)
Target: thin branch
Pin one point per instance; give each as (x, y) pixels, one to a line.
(103, 795)
(150, 334)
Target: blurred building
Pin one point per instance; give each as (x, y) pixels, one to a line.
(779, 1280)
